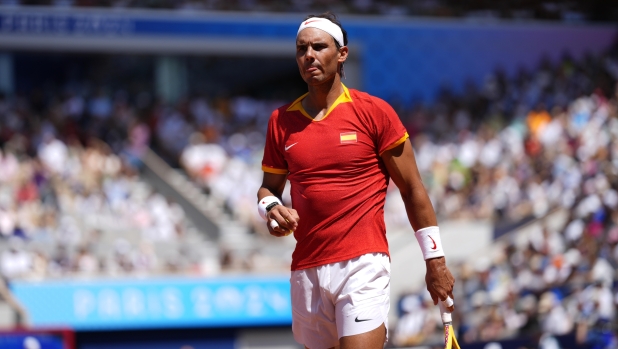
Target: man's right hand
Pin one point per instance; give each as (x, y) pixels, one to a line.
(287, 218)
(439, 281)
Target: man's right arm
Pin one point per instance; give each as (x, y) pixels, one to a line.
(401, 166)
(287, 218)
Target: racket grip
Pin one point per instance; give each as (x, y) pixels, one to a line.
(447, 318)
(273, 224)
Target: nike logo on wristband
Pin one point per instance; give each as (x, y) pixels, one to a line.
(434, 244)
(357, 320)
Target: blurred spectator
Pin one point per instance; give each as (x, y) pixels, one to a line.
(137, 144)
(15, 262)
(53, 153)
(416, 324)
(203, 161)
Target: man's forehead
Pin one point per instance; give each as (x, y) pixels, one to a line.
(314, 35)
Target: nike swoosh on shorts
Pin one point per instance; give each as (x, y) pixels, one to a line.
(357, 320)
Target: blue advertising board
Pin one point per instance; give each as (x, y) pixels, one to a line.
(161, 303)
(104, 23)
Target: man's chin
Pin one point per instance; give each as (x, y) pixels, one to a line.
(318, 80)
(314, 82)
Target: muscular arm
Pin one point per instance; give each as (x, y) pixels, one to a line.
(401, 166)
(287, 218)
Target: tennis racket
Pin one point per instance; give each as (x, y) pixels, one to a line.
(450, 341)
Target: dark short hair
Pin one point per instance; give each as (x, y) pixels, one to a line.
(333, 18)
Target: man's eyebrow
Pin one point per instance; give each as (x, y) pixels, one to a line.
(313, 43)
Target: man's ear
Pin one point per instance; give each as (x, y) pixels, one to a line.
(343, 52)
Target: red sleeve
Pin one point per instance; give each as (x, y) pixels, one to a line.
(390, 132)
(273, 161)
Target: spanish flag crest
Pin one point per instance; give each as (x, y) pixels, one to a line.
(347, 137)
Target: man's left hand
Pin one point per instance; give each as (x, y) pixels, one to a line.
(439, 280)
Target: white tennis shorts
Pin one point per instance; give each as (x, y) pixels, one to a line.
(340, 299)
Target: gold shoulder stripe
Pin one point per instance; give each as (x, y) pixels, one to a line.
(396, 143)
(274, 170)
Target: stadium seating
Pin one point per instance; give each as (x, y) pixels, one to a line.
(556, 276)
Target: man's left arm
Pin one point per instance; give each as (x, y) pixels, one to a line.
(401, 165)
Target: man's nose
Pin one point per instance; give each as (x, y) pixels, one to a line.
(310, 54)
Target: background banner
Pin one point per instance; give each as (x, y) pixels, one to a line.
(157, 303)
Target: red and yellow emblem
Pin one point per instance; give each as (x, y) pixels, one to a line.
(347, 137)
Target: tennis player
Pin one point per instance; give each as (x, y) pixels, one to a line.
(338, 147)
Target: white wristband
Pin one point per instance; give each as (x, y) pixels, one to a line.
(265, 202)
(429, 240)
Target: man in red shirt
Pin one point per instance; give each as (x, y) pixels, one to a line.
(338, 147)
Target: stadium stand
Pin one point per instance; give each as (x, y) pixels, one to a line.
(573, 11)
(557, 278)
(78, 212)
(486, 154)
(83, 211)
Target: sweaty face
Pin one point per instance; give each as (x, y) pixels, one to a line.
(317, 56)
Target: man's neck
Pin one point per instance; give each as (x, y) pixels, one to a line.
(322, 97)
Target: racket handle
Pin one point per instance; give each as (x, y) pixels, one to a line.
(450, 342)
(274, 224)
(447, 318)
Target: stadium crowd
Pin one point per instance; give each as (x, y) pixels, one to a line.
(486, 154)
(513, 148)
(558, 152)
(549, 10)
(69, 210)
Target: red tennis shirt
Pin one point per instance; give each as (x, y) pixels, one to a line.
(338, 179)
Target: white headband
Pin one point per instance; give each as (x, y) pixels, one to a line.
(325, 25)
